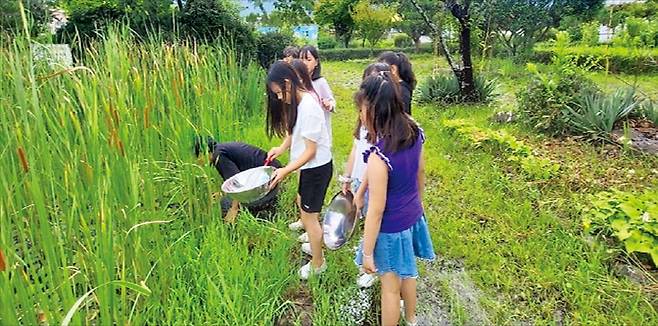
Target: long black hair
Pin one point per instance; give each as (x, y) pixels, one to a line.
(281, 116)
(302, 71)
(291, 51)
(309, 49)
(400, 60)
(371, 69)
(199, 143)
(385, 117)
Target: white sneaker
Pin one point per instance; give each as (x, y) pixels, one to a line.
(303, 238)
(306, 248)
(366, 280)
(306, 271)
(296, 225)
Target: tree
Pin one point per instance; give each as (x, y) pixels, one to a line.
(290, 13)
(373, 21)
(338, 15)
(209, 20)
(463, 71)
(519, 24)
(412, 22)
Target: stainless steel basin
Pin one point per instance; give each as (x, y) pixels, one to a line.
(250, 185)
(340, 219)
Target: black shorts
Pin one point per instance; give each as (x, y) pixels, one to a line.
(313, 184)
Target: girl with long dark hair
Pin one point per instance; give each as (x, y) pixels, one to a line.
(293, 113)
(403, 72)
(395, 231)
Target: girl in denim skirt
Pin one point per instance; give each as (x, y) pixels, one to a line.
(395, 231)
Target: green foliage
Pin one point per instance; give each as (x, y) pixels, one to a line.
(37, 13)
(340, 54)
(372, 21)
(613, 59)
(269, 47)
(649, 110)
(402, 40)
(89, 19)
(516, 150)
(290, 13)
(326, 41)
(338, 15)
(121, 199)
(596, 114)
(638, 32)
(562, 39)
(412, 22)
(88, 22)
(544, 104)
(617, 15)
(632, 218)
(444, 89)
(210, 20)
(590, 34)
(521, 24)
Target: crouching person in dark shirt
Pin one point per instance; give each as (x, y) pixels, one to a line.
(232, 158)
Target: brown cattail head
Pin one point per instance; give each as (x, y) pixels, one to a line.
(23, 158)
(3, 264)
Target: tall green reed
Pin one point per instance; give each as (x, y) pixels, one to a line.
(102, 192)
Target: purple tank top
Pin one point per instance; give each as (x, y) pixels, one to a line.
(403, 204)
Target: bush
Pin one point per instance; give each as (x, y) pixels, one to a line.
(210, 20)
(444, 89)
(402, 41)
(616, 59)
(590, 34)
(341, 54)
(89, 22)
(269, 47)
(327, 42)
(515, 150)
(544, 104)
(630, 217)
(597, 114)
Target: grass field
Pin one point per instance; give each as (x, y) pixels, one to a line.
(108, 218)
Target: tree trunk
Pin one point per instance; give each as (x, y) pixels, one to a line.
(417, 44)
(466, 80)
(180, 5)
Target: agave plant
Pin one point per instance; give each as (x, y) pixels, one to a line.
(649, 110)
(596, 114)
(445, 89)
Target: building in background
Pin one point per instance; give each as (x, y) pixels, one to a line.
(247, 8)
(620, 2)
(607, 33)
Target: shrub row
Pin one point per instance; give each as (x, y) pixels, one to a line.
(365, 53)
(617, 59)
(515, 150)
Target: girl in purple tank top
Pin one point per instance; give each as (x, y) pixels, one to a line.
(395, 231)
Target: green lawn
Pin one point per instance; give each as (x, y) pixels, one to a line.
(520, 242)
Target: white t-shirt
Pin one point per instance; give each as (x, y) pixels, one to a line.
(362, 145)
(311, 125)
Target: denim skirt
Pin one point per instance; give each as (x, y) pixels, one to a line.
(397, 252)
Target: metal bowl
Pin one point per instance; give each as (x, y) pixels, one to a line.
(339, 221)
(250, 185)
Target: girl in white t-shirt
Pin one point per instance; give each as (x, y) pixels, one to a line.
(294, 114)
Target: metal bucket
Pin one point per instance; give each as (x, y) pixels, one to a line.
(340, 219)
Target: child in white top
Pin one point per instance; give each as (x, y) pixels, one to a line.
(293, 113)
